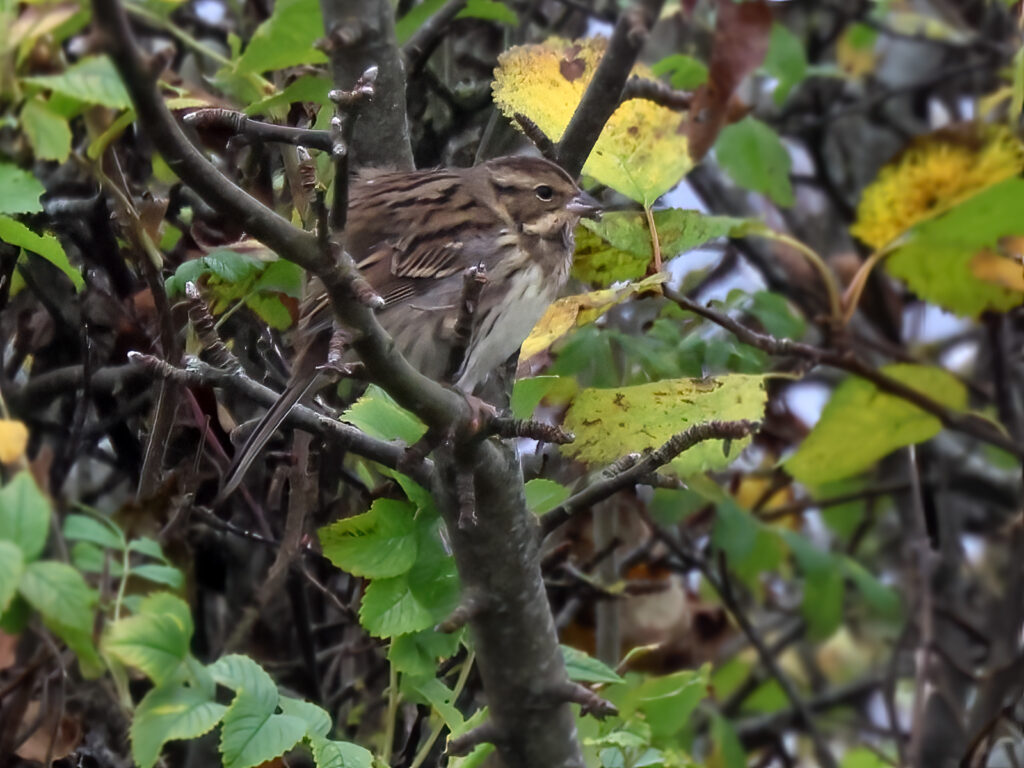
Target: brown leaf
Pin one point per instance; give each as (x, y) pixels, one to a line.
(741, 42)
(572, 69)
(65, 733)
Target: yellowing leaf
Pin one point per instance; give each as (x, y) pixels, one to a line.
(611, 422)
(572, 311)
(641, 152)
(993, 268)
(13, 439)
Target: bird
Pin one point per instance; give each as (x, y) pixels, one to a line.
(412, 235)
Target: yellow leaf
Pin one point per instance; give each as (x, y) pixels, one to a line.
(611, 422)
(13, 439)
(641, 152)
(572, 311)
(993, 268)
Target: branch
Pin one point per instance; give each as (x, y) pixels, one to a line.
(247, 131)
(605, 90)
(360, 35)
(964, 423)
(616, 478)
(656, 91)
(198, 373)
(417, 49)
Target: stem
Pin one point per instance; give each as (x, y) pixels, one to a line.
(392, 715)
(654, 237)
(851, 298)
(424, 751)
(827, 276)
(179, 33)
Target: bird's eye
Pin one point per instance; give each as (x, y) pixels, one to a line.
(544, 192)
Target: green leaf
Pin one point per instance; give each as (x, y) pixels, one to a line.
(489, 10)
(417, 599)
(19, 191)
(156, 640)
(544, 495)
(861, 424)
(414, 19)
(340, 754)
(774, 313)
(670, 506)
(251, 731)
(940, 256)
(686, 72)
(610, 422)
(666, 702)
(430, 690)
(750, 546)
(24, 515)
(754, 157)
(786, 61)
(160, 574)
(823, 586)
(318, 722)
(85, 528)
(312, 88)
(46, 131)
(527, 394)
(586, 669)
(882, 599)
(379, 416)
(270, 310)
(286, 38)
(92, 80)
(66, 604)
(417, 653)
(169, 713)
(380, 543)
(12, 564)
(148, 547)
(47, 246)
(727, 751)
(625, 248)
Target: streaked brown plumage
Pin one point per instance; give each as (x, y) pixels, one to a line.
(414, 234)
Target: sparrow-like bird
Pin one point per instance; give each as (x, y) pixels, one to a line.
(413, 234)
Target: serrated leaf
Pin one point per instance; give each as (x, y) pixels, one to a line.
(380, 543)
(417, 653)
(169, 713)
(340, 754)
(318, 722)
(586, 669)
(24, 515)
(543, 495)
(47, 246)
(417, 599)
(93, 80)
(611, 422)
(285, 39)
(441, 698)
(148, 547)
(12, 564)
(156, 639)
(861, 424)
(251, 732)
(85, 528)
(625, 248)
(46, 131)
(378, 415)
(641, 152)
(19, 191)
(755, 158)
(936, 260)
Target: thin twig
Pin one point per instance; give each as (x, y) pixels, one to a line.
(245, 130)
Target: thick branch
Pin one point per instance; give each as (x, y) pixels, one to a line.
(360, 35)
(247, 130)
(605, 89)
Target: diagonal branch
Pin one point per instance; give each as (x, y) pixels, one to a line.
(603, 94)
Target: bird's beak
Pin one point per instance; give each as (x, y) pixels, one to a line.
(584, 206)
